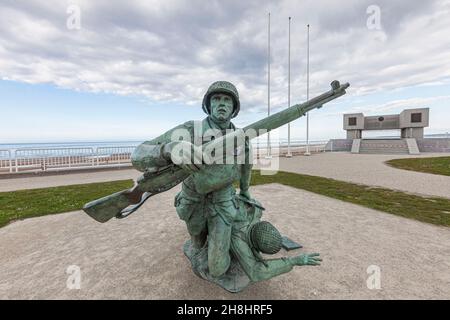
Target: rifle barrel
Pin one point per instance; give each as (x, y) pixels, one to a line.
(296, 111)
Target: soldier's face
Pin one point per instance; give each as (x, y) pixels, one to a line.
(221, 106)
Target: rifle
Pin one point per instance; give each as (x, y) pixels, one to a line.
(156, 180)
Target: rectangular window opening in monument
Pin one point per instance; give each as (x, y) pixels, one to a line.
(352, 121)
(416, 117)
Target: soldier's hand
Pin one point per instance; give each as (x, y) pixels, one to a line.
(186, 155)
(311, 259)
(245, 194)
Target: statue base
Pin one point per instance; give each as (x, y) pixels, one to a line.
(234, 280)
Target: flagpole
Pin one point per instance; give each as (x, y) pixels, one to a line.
(289, 90)
(307, 153)
(268, 156)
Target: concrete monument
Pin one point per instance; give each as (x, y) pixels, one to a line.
(410, 122)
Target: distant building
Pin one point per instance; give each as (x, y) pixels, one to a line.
(410, 123)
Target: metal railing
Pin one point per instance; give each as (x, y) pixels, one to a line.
(114, 156)
(47, 159)
(297, 147)
(68, 158)
(300, 146)
(52, 159)
(6, 164)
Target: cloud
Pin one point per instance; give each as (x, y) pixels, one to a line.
(170, 51)
(396, 105)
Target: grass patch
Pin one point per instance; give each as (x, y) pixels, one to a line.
(426, 209)
(437, 165)
(37, 202)
(23, 204)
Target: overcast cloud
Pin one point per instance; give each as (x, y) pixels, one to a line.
(172, 50)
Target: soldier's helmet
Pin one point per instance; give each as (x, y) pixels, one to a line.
(265, 238)
(221, 87)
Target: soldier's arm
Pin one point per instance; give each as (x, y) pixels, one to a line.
(149, 155)
(246, 171)
(156, 153)
(258, 270)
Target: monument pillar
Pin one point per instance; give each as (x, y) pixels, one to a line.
(416, 133)
(354, 134)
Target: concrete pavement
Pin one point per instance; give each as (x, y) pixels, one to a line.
(141, 257)
(370, 169)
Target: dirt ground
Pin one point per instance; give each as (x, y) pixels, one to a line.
(141, 257)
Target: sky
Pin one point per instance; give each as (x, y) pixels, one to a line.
(103, 70)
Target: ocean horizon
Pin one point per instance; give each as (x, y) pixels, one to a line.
(68, 144)
(131, 143)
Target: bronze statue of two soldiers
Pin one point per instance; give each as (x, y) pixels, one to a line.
(227, 235)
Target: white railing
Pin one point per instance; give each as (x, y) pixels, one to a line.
(297, 147)
(52, 159)
(6, 164)
(300, 146)
(114, 156)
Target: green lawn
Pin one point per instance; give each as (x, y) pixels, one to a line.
(36, 202)
(427, 209)
(437, 165)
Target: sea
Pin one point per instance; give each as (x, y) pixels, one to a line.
(8, 149)
(42, 145)
(84, 144)
(12, 147)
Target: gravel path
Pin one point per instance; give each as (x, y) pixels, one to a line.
(141, 257)
(370, 170)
